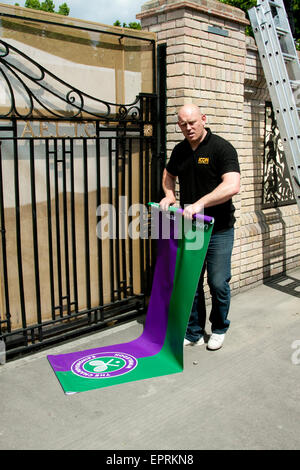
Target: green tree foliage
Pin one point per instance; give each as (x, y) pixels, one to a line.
(35, 4)
(63, 9)
(132, 25)
(47, 5)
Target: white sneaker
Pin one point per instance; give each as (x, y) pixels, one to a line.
(187, 342)
(215, 341)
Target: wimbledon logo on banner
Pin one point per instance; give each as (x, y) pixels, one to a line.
(104, 365)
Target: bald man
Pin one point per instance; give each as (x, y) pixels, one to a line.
(207, 168)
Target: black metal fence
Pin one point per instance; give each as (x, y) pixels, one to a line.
(72, 195)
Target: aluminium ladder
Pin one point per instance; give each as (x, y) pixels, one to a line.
(280, 64)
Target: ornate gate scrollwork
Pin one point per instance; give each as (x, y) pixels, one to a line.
(27, 81)
(277, 187)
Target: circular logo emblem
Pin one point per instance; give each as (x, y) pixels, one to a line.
(104, 365)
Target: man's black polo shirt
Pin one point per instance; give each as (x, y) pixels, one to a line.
(200, 171)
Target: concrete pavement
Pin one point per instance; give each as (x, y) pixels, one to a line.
(244, 396)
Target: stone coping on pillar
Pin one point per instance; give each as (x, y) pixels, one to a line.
(211, 7)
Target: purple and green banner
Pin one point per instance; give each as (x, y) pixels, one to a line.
(159, 349)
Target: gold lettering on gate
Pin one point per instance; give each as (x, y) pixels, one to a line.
(44, 129)
(28, 130)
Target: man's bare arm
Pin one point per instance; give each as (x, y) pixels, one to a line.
(168, 184)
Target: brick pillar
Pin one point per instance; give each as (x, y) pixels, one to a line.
(205, 61)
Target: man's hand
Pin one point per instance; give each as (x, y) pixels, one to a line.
(166, 202)
(195, 208)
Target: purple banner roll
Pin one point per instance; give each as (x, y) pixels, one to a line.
(205, 218)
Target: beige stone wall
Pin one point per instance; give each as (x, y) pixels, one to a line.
(212, 63)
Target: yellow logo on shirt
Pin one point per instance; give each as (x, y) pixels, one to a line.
(203, 160)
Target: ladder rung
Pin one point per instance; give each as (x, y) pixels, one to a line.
(274, 4)
(294, 83)
(281, 31)
(289, 56)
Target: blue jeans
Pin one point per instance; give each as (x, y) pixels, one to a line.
(218, 266)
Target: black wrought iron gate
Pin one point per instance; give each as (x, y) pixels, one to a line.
(73, 192)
